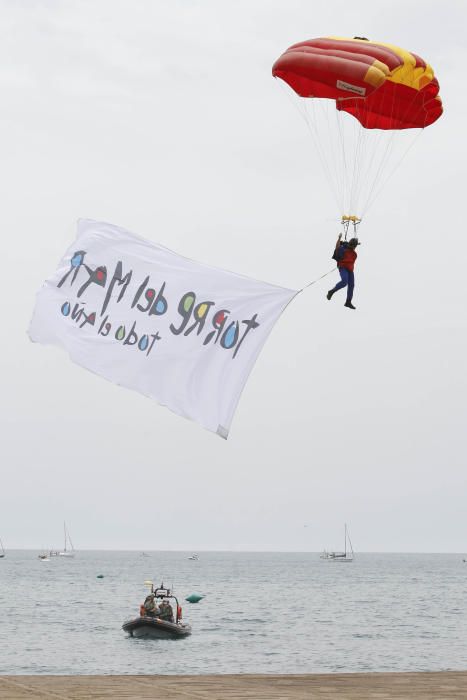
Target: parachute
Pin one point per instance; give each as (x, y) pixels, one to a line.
(360, 99)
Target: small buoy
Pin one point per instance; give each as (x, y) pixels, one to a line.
(194, 598)
(100, 576)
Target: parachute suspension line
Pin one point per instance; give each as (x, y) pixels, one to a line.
(373, 149)
(379, 172)
(418, 132)
(385, 158)
(354, 163)
(353, 141)
(353, 157)
(391, 173)
(356, 143)
(344, 173)
(384, 161)
(300, 105)
(356, 169)
(366, 157)
(379, 185)
(325, 106)
(375, 145)
(312, 123)
(354, 151)
(364, 160)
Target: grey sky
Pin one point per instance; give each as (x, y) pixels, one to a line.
(163, 117)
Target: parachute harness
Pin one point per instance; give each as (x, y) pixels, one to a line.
(346, 221)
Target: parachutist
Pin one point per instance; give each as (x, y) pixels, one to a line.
(345, 256)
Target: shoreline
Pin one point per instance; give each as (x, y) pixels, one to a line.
(437, 685)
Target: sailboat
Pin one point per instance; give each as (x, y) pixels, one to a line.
(67, 552)
(346, 555)
(2, 553)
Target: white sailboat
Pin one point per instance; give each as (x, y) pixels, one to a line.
(2, 553)
(67, 551)
(346, 555)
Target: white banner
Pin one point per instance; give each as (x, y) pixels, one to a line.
(180, 332)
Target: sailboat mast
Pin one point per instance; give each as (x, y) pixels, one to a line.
(351, 548)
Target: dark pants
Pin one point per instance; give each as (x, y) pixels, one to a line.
(347, 280)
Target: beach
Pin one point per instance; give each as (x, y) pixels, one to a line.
(357, 686)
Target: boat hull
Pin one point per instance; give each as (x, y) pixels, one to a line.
(154, 628)
(341, 560)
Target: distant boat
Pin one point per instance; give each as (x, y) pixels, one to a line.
(44, 556)
(194, 557)
(346, 555)
(70, 551)
(2, 553)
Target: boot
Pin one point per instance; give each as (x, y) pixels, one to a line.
(329, 294)
(349, 305)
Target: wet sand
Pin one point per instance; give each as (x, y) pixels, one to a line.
(349, 686)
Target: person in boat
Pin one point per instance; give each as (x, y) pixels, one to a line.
(151, 609)
(345, 255)
(166, 611)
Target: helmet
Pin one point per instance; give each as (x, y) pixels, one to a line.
(354, 242)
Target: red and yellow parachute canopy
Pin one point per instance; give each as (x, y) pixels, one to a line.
(381, 85)
(391, 92)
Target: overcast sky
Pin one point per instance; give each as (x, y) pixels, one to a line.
(162, 117)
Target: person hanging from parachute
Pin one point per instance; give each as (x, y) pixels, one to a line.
(358, 98)
(345, 256)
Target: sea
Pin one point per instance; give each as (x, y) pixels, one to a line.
(261, 613)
